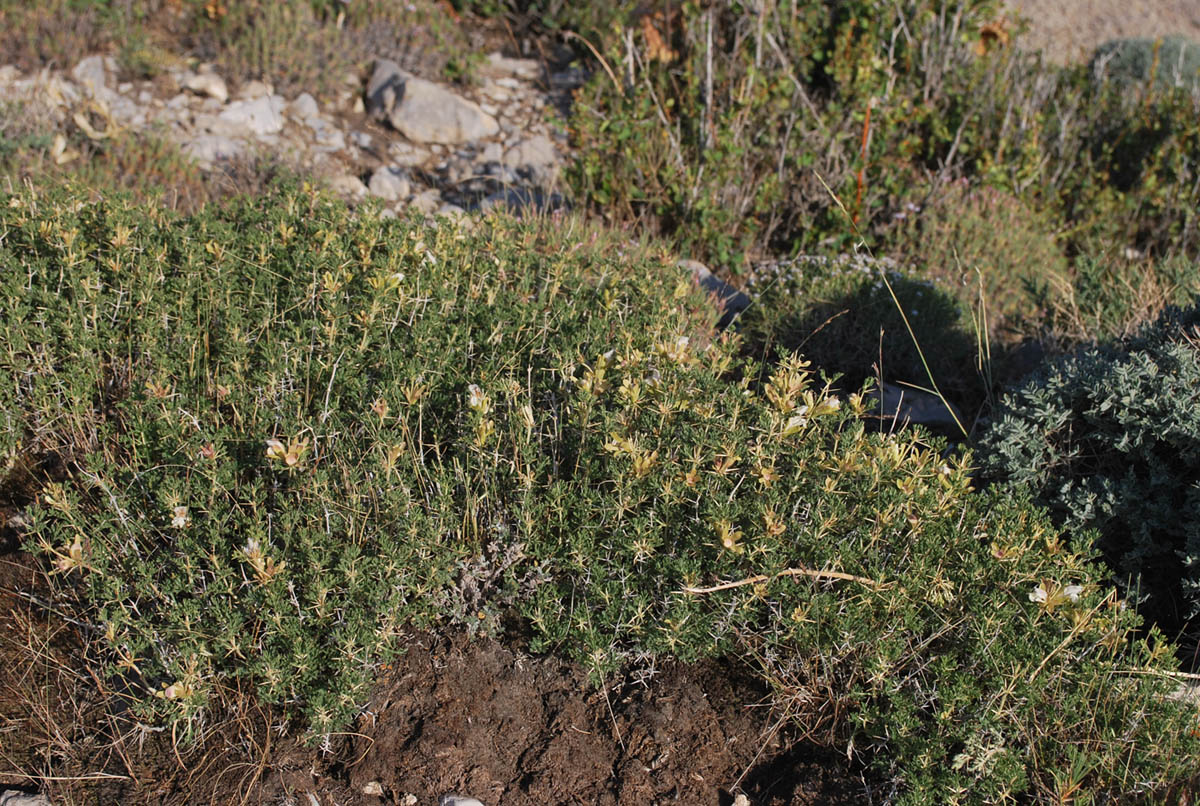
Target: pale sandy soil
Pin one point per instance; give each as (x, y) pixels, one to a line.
(1068, 30)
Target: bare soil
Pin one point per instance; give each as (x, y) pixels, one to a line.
(452, 716)
(1069, 30)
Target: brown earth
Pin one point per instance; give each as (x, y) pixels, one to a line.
(1069, 30)
(452, 716)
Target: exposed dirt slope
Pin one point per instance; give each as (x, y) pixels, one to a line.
(1068, 30)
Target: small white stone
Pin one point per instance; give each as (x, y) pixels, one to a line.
(388, 184)
(458, 800)
(304, 106)
(348, 185)
(492, 152)
(428, 201)
(373, 788)
(254, 89)
(209, 84)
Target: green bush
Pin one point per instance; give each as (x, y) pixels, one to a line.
(729, 130)
(841, 314)
(1169, 62)
(291, 433)
(1108, 438)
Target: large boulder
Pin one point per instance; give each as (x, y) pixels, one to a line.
(422, 111)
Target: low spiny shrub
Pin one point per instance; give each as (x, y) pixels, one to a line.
(291, 433)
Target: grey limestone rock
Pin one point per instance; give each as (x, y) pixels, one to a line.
(304, 106)
(389, 184)
(422, 111)
(906, 405)
(261, 116)
(12, 797)
(730, 300)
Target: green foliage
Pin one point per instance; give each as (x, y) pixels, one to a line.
(162, 358)
(975, 240)
(1168, 62)
(291, 433)
(731, 130)
(840, 312)
(1108, 439)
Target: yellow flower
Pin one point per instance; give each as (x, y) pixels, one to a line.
(1050, 594)
(728, 537)
(478, 401)
(380, 408)
(292, 455)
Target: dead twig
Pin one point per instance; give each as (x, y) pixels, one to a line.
(790, 572)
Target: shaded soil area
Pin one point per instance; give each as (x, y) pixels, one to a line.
(453, 715)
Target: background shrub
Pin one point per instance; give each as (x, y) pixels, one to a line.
(1109, 439)
(289, 434)
(1168, 62)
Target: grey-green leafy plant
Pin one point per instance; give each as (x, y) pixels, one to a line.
(1109, 438)
(1167, 62)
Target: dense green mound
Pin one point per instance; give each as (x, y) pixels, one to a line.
(290, 433)
(1109, 438)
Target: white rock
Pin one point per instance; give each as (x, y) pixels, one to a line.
(373, 788)
(304, 106)
(457, 800)
(492, 152)
(407, 155)
(179, 101)
(496, 93)
(254, 89)
(907, 405)
(451, 210)
(327, 137)
(388, 184)
(12, 797)
(425, 112)
(348, 185)
(263, 115)
(428, 201)
(207, 149)
(535, 152)
(94, 71)
(209, 84)
(500, 64)
(9, 74)
(360, 139)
